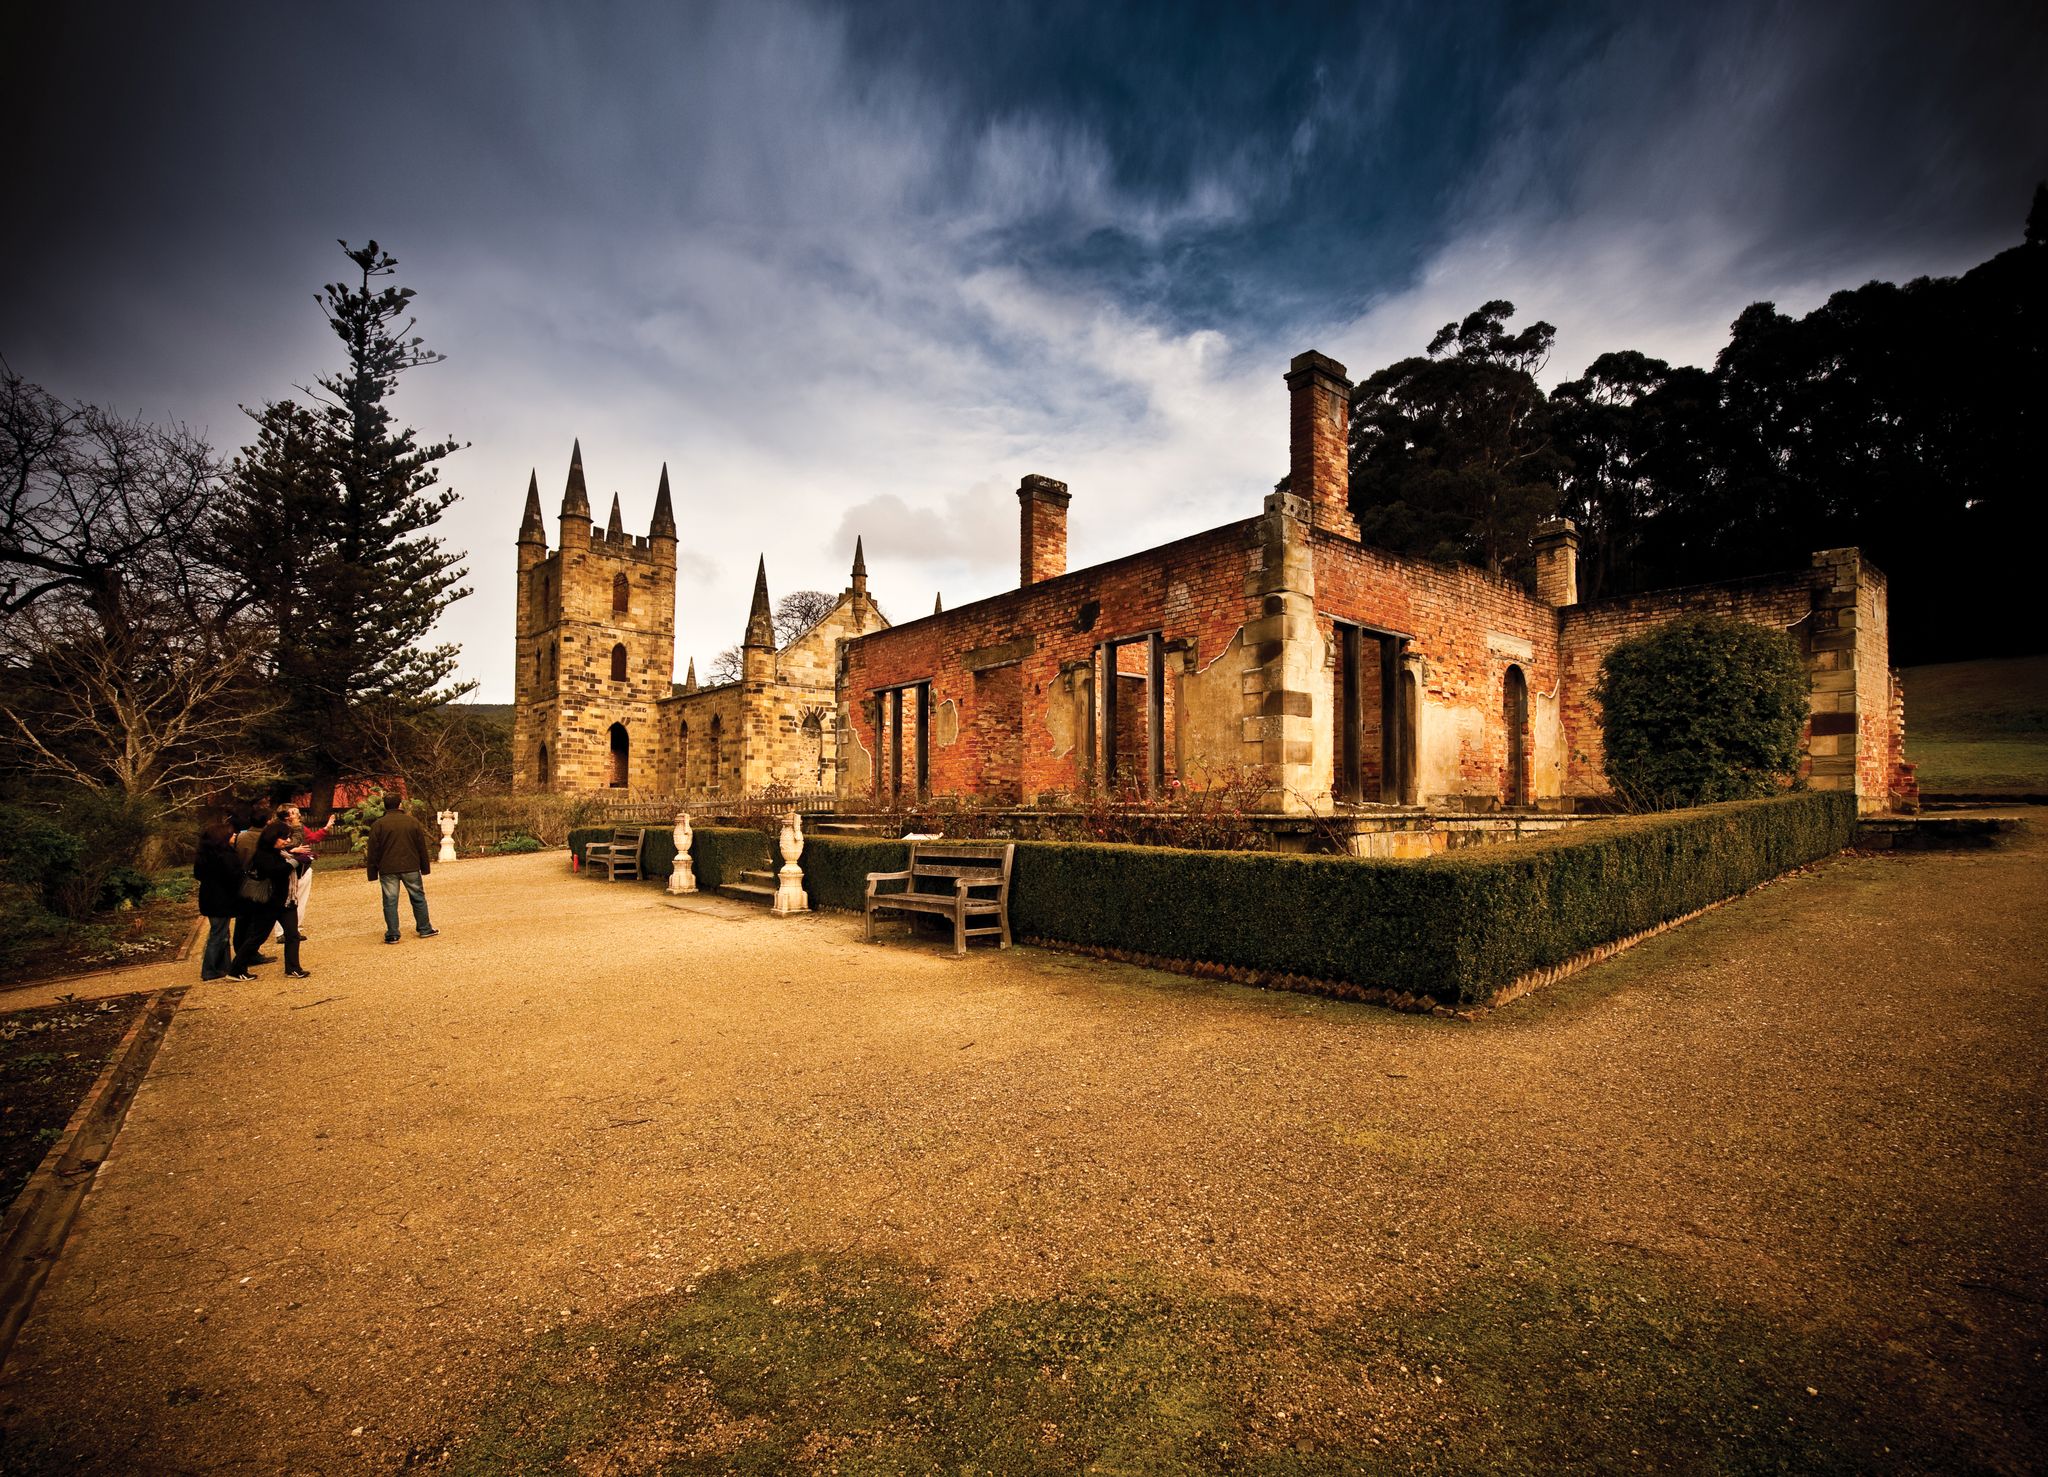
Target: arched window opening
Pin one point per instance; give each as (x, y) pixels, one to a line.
(1514, 714)
(717, 751)
(542, 768)
(538, 672)
(622, 594)
(683, 756)
(620, 745)
(619, 662)
(554, 661)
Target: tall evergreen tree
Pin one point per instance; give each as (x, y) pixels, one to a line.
(329, 520)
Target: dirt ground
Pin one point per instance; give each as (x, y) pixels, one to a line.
(381, 1217)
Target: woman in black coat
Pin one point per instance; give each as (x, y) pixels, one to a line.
(275, 864)
(219, 871)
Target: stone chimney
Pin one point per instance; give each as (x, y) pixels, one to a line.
(1043, 547)
(1557, 561)
(1319, 440)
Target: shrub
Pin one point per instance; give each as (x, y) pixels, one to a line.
(518, 841)
(1702, 709)
(1454, 928)
(35, 852)
(719, 853)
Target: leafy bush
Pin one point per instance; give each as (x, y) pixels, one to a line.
(25, 924)
(121, 885)
(35, 852)
(1702, 709)
(518, 841)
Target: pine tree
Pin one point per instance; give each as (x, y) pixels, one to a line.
(329, 521)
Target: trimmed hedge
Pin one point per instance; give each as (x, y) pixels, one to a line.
(1456, 928)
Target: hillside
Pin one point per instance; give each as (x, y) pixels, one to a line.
(1979, 726)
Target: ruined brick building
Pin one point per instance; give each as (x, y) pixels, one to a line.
(596, 704)
(1281, 645)
(1278, 646)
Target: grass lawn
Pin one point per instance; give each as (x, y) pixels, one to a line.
(1979, 726)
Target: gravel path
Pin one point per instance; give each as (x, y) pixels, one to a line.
(342, 1207)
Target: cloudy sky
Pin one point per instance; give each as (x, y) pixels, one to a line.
(855, 269)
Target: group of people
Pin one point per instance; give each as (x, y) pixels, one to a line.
(255, 874)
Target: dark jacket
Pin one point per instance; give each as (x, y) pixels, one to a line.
(399, 844)
(219, 871)
(276, 868)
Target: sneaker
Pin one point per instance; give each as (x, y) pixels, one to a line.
(390, 938)
(298, 974)
(430, 933)
(245, 977)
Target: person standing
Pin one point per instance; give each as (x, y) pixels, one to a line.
(246, 841)
(219, 872)
(400, 854)
(275, 865)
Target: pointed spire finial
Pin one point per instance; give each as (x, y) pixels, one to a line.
(938, 603)
(860, 562)
(690, 682)
(615, 528)
(575, 497)
(664, 524)
(531, 529)
(761, 619)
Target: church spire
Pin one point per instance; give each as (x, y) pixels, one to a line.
(531, 529)
(761, 619)
(575, 498)
(938, 603)
(690, 682)
(615, 528)
(664, 524)
(860, 569)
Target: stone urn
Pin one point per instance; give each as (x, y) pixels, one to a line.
(447, 818)
(789, 882)
(682, 877)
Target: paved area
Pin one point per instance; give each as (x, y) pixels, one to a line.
(342, 1207)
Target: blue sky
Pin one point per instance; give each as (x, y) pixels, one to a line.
(856, 269)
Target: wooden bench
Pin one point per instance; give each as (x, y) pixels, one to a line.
(965, 881)
(618, 857)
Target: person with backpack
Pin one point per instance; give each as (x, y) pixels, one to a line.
(267, 890)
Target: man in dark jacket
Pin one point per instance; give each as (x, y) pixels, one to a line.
(401, 852)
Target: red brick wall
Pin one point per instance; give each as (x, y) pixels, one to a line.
(1468, 627)
(1192, 589)
(1782, 601)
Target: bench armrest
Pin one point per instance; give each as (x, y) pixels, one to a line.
(875, 879)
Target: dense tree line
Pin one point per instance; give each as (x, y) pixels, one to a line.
(1904, 420)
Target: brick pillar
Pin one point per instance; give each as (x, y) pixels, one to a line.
(1042, 548)
(1833, 728)
(1319, 441)
(1557, 561)
(1282, 651)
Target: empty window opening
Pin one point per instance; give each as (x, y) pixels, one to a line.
(619, 662)
(1134, 702)
(543, 768)
(683, 756)
(717, 755)
(1374, 740)
(904, 725)
(620, 747)
(1514, 713)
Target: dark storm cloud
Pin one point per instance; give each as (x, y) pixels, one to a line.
(846, 268)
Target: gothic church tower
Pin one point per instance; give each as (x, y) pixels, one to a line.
(595, 644)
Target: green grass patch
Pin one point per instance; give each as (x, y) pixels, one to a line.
(1537, 1361)
(1979, 727)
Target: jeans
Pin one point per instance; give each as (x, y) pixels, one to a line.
(219, 948)
(414, 890)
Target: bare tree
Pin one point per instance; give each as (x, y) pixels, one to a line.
(798, 611)
(95, 508)
(156, 713)
(728, 666)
